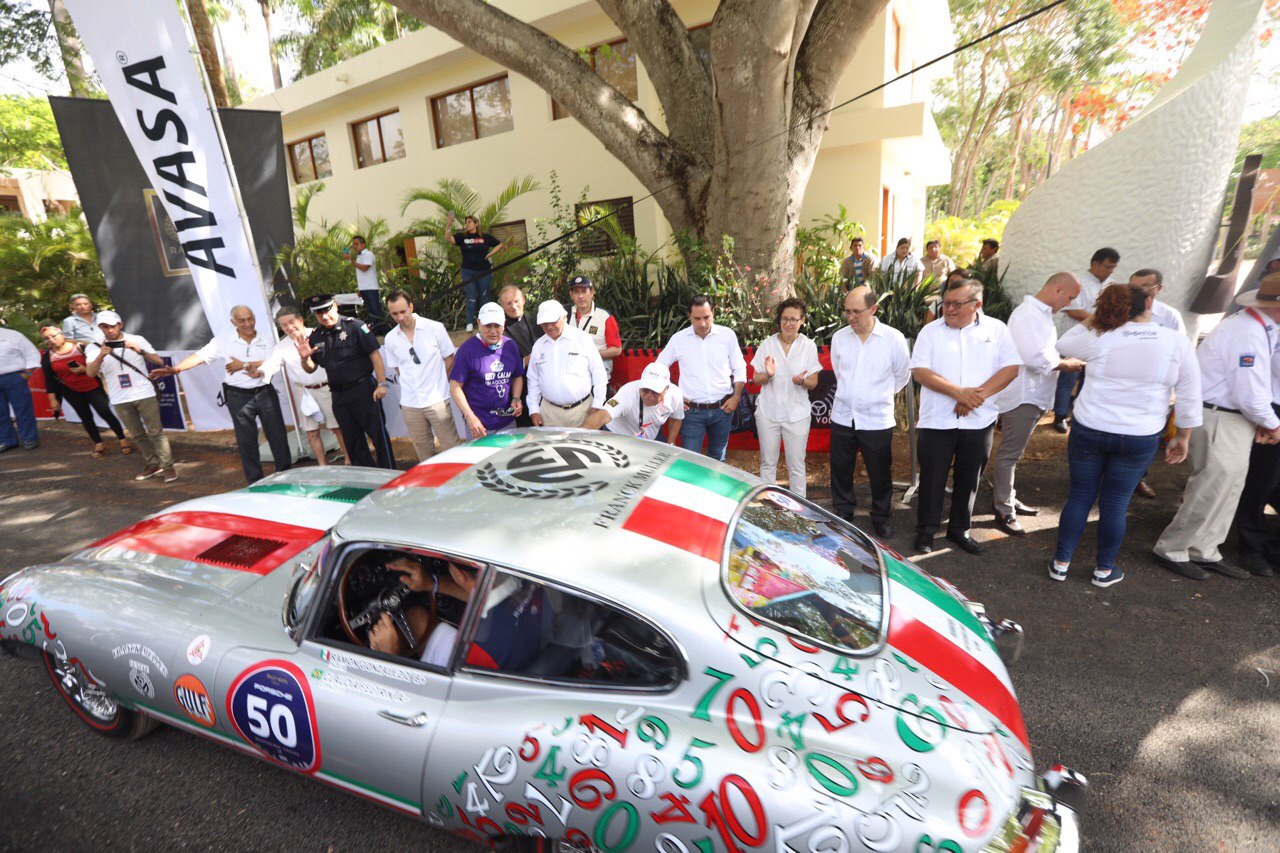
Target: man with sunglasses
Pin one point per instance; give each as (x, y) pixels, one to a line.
(419, 352)
(962, 361)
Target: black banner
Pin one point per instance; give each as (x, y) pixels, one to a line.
(137, 245)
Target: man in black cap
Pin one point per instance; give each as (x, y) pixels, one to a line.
(348, 351)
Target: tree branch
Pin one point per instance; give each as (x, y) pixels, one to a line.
(836, 29)
(682, 82)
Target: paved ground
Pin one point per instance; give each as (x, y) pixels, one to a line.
(1162, 690)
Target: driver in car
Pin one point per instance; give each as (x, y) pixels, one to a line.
(513, 624)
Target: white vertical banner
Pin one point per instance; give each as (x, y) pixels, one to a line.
(146, 62)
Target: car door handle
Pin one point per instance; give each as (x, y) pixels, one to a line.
(415, 721)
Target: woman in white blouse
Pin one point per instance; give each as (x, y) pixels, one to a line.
(786, 368)
(1133, 365)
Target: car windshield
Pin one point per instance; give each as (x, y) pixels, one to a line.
(304, 588)
(806, 572)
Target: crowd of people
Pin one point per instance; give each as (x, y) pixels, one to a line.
(1111, 362)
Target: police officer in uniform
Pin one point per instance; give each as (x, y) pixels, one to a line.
(348, 351)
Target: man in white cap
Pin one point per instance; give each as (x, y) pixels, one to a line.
(640, 408)
(487, 376)
(1236, 375)
(120, 363)
(566, 376)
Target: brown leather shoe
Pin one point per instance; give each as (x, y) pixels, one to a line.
(1144, 490)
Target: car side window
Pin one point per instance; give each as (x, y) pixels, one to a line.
(537, 631)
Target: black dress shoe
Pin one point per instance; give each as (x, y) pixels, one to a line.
(965, 543)
(1222, 567)
(924, 543)
(1144, 489)
(1258, 565)
(883, 529)
(1022, 509)
(1060, 424)
(1186, 568)
(1009, 524)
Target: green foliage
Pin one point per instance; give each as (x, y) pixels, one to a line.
(335, 30)
(902, 300)
(821, 247)
(961, 237)
(42, 264)
(996, 301)
(1260, 137)
(25, 33)
(28, 135)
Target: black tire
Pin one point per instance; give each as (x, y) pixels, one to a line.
(91, 703)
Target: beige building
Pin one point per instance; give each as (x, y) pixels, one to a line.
(424, 108)
(35, 193)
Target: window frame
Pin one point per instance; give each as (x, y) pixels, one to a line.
(382, 139)
(587, 243)
(510, 223)
(558, 112)
(475, 121)
(293, 162)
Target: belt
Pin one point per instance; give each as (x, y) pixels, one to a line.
(318, 385)
(1221, 408)
(238, 390)
(714, 405)
(569, 405)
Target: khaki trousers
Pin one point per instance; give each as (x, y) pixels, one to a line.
(141, 419)
(1219, 457)
(428, 425)
(555, 416)
(1016, 426)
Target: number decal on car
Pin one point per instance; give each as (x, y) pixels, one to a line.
(271, 707)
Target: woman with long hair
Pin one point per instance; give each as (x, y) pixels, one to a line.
(1133, 365)
(65, 379)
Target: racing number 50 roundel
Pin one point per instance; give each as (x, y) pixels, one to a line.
(271, 707)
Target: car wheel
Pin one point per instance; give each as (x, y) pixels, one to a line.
(92, 704)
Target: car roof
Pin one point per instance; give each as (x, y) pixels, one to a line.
(590, 508)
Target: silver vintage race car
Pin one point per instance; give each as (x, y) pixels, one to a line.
(576, 636)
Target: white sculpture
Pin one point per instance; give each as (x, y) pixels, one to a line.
(1154, 191)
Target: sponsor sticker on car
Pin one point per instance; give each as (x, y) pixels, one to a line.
(271, 707)
(193, 699)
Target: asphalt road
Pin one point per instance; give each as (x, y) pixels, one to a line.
(1163, 691)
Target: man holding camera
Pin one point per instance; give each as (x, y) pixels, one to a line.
(120, 364)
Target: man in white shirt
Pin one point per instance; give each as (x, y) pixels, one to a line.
(962, 362)
(1236, 374)
(82, 325)
(870, 361)
(249, 394)
(902, 268)
(712, 376)
(1030, 394)
(313, 387)
(120, 363)
(1101, 266)
(640, 408)
(421, 354)
(366, 267)
(19, 358)
(566, 376)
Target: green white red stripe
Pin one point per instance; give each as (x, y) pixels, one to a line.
(689, 507)
(933, 628)
(278, 508)
(443, 467)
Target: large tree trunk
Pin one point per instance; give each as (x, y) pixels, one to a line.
(71, 49)
(203, 29)
(265, 6)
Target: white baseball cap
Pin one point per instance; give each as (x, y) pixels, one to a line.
(550, 311)
(490, 313)
(655, 377)
(108, 318)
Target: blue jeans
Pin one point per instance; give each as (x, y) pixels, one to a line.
(15, 392)
(711, 424)
(1106, 467)
(1065, 393)
(477, 282)
(373, 306)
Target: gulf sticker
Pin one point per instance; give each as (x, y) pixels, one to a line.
(194, 700)
(271, 707)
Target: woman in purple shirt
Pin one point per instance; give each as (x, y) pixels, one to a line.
(488, 376)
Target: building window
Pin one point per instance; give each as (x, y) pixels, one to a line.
(896, 47)
(474, 112)
(378, 139)
(616, 63)
(596, 242)
(513, 233)
(310, 159)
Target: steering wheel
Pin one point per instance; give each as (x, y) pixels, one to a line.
(390, 600)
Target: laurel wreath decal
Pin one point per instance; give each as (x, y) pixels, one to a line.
(488, 476)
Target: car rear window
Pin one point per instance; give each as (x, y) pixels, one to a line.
(806, 572)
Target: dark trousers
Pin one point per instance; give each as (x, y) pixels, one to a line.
(938, 449)
(85, 403)
(15, 392)
(1065, 393)
(248, 406)
(359, 415)
(876, 446)
(1263, 477)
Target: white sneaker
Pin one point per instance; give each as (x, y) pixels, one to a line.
(470, 327)
(1057, 573)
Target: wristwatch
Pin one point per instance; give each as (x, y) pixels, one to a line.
(382, 385)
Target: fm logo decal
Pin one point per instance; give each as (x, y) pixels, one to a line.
(271, 707)
(194, 700)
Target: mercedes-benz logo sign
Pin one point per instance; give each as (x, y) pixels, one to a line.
(553, 469)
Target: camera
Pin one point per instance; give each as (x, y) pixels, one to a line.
(115, 344)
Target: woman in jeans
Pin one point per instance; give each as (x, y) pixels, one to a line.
(786, 368)
(1133, 364)
(65, 379)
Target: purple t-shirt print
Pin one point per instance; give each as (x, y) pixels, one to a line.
(486, 376)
